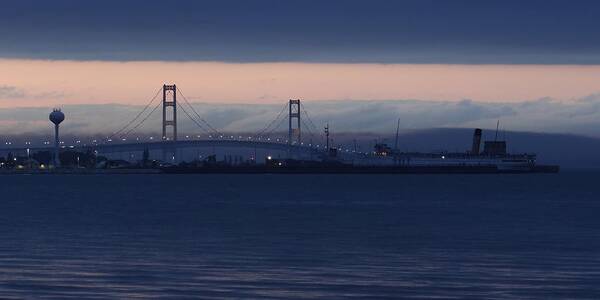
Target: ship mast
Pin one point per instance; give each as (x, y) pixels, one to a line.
(327, 135)
(397, 131)
(396, 143)
(497, 125)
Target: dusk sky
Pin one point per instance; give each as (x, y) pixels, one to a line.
(491, 53)
(419, 31)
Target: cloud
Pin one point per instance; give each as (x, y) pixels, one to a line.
(13, 92)
(10, 92)
(339, 31)
(578, 116)
(49, 95)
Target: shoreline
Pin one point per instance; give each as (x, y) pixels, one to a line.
(365, 170)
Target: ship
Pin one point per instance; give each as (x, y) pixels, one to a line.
(492, 159)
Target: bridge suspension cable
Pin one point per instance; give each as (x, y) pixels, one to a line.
(195, 121)
(310, 132)
(118, 132)
(277, 121)
(196, 113)
(281, 122)
(308, 117)
(141, 122)
(271, 127)
(310, 123)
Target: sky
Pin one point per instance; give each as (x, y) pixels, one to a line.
(344, 31)
(488, 53)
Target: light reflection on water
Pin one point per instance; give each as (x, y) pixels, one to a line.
(261, 236)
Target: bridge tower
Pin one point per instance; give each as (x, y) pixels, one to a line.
(294, 113)
(169, 111)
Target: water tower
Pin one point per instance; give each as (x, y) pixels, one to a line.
(56, 117)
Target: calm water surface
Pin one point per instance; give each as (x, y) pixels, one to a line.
(300, 236)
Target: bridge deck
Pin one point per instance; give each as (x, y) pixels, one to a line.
(125, 147)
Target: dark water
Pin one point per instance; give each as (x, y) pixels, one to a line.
(300, 236)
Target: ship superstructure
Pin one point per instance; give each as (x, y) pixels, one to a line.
(494, 155)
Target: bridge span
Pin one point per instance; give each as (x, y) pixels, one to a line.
(220, 143)
(109, 148)
(297, 120)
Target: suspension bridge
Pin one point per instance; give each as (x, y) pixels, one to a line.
(174, 102)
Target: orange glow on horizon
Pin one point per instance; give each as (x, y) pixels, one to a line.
(48, 83)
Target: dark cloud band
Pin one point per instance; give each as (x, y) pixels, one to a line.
(410, 31)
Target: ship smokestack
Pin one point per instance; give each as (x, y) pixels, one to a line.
(476, 141)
